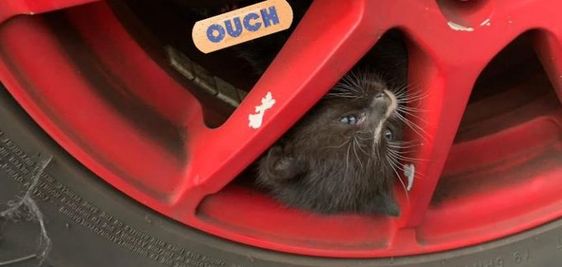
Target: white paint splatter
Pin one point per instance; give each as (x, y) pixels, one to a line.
(486, 22)
(255, 120)
(458, 27)
(409, 172)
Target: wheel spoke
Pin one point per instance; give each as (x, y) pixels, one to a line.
(436, 73)
(444, 112)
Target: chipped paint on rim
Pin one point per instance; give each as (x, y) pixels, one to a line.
(458, 27)
(255, 120)
(486, 22)
(409, 172)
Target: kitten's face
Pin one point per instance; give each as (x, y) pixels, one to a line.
(360, 110)
(337, 158)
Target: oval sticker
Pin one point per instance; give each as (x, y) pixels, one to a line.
(242, 25)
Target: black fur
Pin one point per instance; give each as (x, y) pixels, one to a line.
(328, 166)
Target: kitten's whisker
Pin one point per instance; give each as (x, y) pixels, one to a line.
(342, 95)
(399, 146)
(399, 177)
(347, 158)
(362, 138)
(409, 143)
(411, 114)
(397, 163)
(403, 152)
(406, 158)
(357, 156)
(417, 129)
(418, 175)
(409, 98)
(410, 108)
(352, 79)
(341, 145)
(407, 88)
(400, 90)
(415, 116)
(360, 146)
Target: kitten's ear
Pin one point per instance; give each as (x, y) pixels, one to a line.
(276, 167)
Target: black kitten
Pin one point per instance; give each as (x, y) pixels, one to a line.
(337, 158)
(342, 156)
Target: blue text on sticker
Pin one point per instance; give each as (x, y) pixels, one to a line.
(251, 22)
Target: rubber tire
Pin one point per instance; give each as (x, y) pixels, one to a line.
(92, 224)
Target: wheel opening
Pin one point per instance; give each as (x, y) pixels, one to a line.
(507, 91)
(508, 151)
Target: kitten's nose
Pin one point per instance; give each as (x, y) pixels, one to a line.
(381, 102)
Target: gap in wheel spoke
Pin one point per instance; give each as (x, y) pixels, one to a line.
(508, 147)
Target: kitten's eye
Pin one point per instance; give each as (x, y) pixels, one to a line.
(388, 135)
(349, 119)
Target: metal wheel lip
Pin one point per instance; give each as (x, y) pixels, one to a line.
(168, 203)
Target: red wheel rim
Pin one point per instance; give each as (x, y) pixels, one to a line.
(91, 86)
